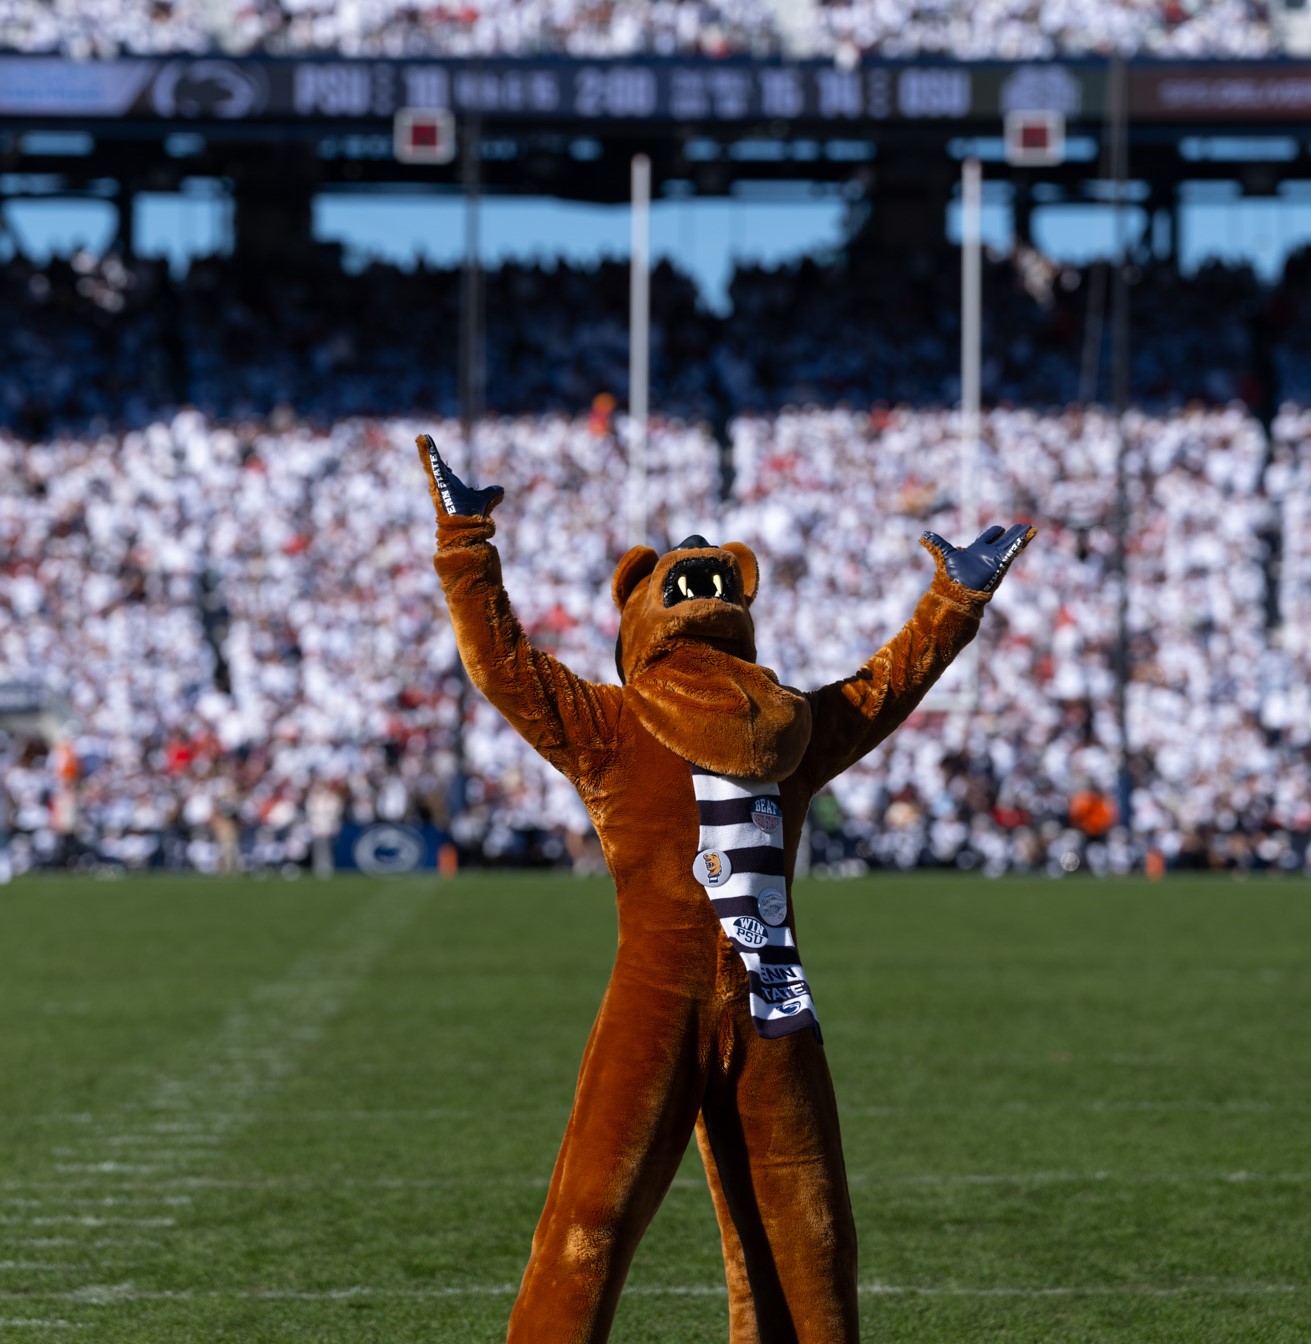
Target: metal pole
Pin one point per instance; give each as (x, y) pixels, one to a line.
(471, 374)
(471, 294)
(971, 360)
(1119, 107)
(971, 342)
(639, 338)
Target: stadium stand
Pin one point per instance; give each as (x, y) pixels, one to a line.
(1004, 29)
(1021, 30)
(394, 27)
(103, 340)
(288, 562)
(215, 546)
(236, 342)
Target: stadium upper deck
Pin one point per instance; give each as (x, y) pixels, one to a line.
(114, 341)
(1003, 29)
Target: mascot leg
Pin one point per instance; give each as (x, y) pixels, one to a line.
(793, 1237)
(742, 1328)
(639, 1089)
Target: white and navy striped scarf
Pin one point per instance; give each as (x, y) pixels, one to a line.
(740, 864)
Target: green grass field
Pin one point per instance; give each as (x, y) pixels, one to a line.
(270, 1111)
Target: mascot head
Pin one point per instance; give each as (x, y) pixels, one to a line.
(696, 592)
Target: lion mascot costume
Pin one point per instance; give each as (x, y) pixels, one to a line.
(697, 772)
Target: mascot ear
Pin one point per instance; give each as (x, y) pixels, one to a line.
(630, 571)
(746, 562)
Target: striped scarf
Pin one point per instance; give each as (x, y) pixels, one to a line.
(740, 864)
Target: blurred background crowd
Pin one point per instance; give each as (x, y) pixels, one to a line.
(1003, 29)
(215, 540)
(243, 619)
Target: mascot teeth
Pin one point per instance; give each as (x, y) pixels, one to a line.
(698, 579)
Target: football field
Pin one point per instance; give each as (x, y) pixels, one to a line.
(242, 1110)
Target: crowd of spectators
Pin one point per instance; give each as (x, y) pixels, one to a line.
(101, 339)
(846, 29)
(886, 328)
(1289, 483)
(214, 547)
(1219, 718)
(394, 28)
(1024, 30)
(107, 341)
(243, 619)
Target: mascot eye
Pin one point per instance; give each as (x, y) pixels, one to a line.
(699, 576)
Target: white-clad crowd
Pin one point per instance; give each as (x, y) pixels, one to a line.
(245, 622)
(1289, 485)
(392, 28)
(1218, 711)
(1022, 30)
(1002, 29)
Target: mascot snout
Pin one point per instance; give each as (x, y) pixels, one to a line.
(694, 592)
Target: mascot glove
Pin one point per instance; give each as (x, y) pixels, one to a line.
(982, 565)
(450, 496)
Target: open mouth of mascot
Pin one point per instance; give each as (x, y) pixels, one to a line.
(695, 594)
(699, 576)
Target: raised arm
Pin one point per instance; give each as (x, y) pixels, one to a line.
(559, 714)
(852, 716)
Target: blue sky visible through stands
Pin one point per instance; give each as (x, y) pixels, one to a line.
(702, 236)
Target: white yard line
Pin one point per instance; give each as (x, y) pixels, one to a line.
(37, 1323)
(176, 1142)
(1085, 1178)
(71, 1198)
(16, 1266)
(1185, 1107)
(114, 1168)
(108, 1294)
(99, 1244)
(63, 1199)
(85, 1220)
(205, 1129)
(1090, 1290)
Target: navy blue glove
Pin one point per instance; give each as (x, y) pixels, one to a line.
(982, 565)
(449, 493)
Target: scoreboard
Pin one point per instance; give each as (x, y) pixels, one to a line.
(822, 96)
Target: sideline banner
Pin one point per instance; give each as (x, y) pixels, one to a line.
(388, 849)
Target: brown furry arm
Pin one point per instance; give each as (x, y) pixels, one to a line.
(559, 714)
(851, 717)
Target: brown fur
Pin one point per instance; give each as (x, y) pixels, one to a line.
(691, 674)
(673, 1048)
